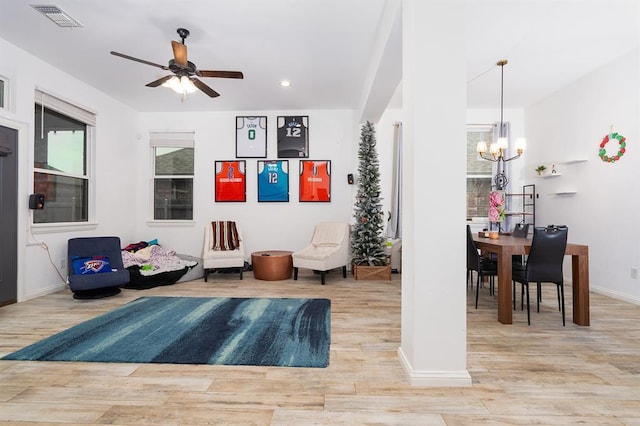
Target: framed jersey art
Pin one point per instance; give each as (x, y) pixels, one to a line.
(251, 137)
(293, 136)
(273, 181)
(231, 181)
(315, 180)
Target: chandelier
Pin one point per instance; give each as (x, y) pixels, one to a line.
(497, 150)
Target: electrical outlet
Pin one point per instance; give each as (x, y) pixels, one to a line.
(634, 272)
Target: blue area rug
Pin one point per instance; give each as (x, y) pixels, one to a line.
(195, 330)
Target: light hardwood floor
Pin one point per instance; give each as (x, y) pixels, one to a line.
(542, 374)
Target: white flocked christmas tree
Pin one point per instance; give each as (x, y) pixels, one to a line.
(367, 242)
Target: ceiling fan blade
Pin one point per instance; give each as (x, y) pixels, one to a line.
(159, 81)
(206, 89)
(142, 61)
(219, 74)
(179, 53)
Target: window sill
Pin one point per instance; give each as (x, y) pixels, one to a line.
(49, 228)
(171, 223)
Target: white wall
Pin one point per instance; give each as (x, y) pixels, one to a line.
(114, 171)
(333, 135)
(569, 125)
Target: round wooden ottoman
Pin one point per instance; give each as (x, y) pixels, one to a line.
(272, 265)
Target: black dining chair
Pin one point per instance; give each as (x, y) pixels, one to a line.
(521, 230)
(484, 267)
(544, 265)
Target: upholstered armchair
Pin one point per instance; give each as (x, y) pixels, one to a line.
(329, 249)
(223, 247)
(95, 267)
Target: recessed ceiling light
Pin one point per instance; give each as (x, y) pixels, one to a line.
(285, 83)
(57, 15)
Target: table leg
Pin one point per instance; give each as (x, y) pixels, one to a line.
(580, 279)
(505, 313)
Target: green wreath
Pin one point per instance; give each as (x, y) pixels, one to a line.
(622, 148)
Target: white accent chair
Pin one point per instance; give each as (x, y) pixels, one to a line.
(329, 249)
(213, 260)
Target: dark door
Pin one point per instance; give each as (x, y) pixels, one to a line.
(8, 216)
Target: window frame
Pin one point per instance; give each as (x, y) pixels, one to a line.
(170, 139)
(5, 94)
(46, 100)
(478, 128)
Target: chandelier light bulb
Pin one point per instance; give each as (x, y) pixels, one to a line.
(502, 143)
(521, 145)
(481, 147)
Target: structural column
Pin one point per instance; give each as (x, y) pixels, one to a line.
(433, 345)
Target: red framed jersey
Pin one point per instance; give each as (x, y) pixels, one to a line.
(315, 180)
(230, 181)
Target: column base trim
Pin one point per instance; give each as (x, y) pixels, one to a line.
(433, 378)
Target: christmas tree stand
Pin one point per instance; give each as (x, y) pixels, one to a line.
(366, 272)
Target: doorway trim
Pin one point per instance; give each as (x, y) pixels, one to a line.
(23, 216)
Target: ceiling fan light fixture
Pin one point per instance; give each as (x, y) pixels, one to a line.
(181, 85)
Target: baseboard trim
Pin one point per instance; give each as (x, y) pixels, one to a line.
(616, 295)
(434, 378)
(49, 290)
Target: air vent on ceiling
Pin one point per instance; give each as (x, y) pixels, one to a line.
(57, 15)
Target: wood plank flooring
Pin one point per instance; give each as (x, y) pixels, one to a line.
(542, 374)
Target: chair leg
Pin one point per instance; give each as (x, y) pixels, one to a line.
(558, 293)
(206, 274)
(344, 271)
(561, 286)
(539, 295)
(513, 293)
(528, 310)
(241, 271)
(477, 289)
(295, 273)
(322, 274)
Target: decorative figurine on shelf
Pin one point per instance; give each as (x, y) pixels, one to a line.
(553, 169)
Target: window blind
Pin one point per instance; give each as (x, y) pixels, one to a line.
(172, 139)
(60, 105)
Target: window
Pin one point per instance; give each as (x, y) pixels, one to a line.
(173, 159)
(479, 173)
(63, 134)
(3, 92)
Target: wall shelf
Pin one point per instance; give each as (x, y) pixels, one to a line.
(564, 193)
(578, 160)
(549, 175)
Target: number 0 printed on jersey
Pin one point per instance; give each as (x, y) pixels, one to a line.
(273, 181)
(293, 136)
(251, 137)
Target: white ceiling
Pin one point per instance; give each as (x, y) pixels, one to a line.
(324, 47)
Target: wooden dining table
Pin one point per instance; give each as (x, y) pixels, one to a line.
(506, 246)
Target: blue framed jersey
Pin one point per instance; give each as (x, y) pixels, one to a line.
(273, 181)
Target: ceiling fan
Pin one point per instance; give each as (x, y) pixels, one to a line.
(184, 71)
